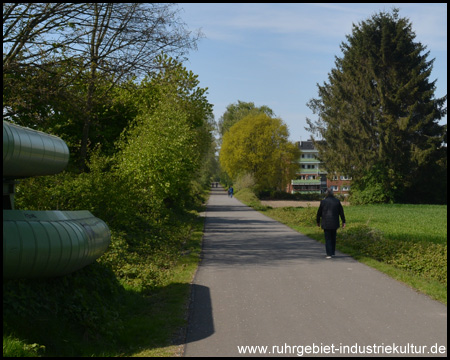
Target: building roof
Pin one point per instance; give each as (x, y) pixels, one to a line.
(306, 145)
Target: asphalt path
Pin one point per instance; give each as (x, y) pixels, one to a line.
(263, 289)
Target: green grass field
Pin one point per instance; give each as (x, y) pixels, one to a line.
(403, 222)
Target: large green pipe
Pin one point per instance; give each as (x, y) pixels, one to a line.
(50, 243)
(28, 152)
(43, 243)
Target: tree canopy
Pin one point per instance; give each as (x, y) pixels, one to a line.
(236, 112)
(378, 119)
(102, 77)
(162, 152)
(67, 58)
(258, 145)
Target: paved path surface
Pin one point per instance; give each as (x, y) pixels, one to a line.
(262, 284)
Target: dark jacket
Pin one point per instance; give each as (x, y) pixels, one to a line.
(330, 210)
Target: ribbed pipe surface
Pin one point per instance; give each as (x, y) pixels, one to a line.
(27, 152)
(50, 243)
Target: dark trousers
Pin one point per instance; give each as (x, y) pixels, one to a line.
(330, 241)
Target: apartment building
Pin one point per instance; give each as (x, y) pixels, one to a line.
(312, 178)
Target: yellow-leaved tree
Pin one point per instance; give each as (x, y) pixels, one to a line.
(258, 145)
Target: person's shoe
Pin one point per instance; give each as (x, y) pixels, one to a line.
(328, 257)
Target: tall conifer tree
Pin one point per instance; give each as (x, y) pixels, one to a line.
(378, 117)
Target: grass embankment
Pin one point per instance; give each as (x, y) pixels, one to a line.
(133, 301)
(406, 242)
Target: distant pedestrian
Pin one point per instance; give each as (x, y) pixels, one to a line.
(230, 191)
(329, 211)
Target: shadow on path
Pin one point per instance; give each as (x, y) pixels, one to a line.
(261, 283)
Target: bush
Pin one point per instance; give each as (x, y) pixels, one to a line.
(421, 258)
(429, 260)
(276, 195)
(101, 192)
(16, 348)
(371, 194)
(243, 182)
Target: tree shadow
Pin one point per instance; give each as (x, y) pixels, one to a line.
(128, 321)
(200, 322)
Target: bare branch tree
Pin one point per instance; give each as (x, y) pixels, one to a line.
(113, 40)
(33, 31)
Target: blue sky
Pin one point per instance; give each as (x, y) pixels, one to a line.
(275, 54)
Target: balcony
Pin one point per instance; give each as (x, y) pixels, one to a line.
(309, 160)
(306, 182)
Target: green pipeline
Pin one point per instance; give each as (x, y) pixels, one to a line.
(39, 244)
(28, 152)
(50, 243)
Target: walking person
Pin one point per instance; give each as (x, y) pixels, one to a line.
(230, 191)
(329, 211)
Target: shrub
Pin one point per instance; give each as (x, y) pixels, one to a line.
(243, 182)
(421, 258)
(247, 196)
(370, 195)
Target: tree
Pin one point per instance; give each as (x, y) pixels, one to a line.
(236, 112)
(123, 39)
(157, 166)
(113, 41)
(378, 118)
(36, 70)
(258, 145)
(32, 32)
(163, 151)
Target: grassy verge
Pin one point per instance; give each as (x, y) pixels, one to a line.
(406, 242)
(131, 302)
